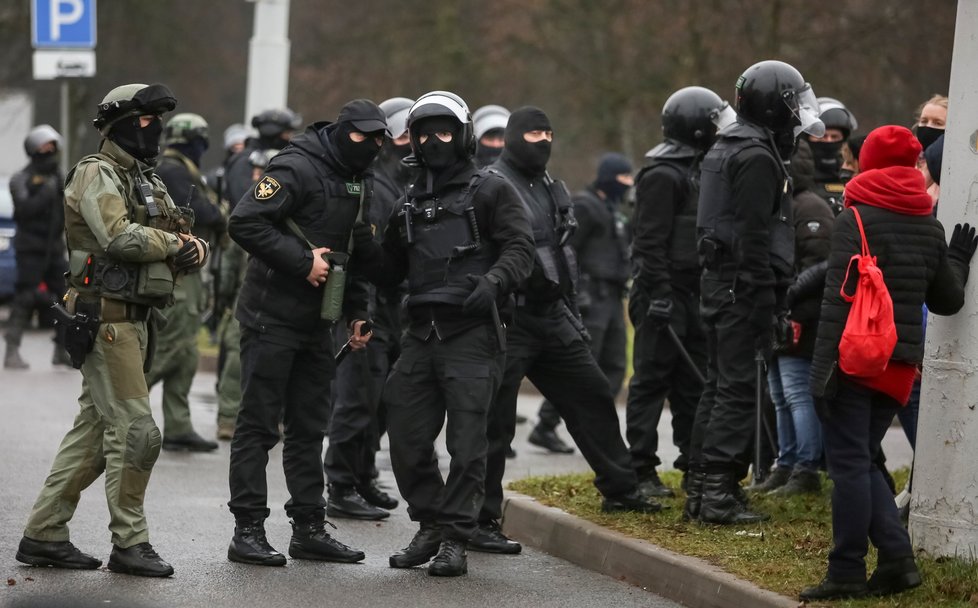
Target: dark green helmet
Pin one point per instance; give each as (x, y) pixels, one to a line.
(185, 127)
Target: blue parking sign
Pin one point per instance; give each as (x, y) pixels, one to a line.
(63, 24)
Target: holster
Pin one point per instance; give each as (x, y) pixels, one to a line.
(80, 333)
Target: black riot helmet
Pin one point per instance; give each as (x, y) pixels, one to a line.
(271, 124)
(693, 115)
(446, 104)
(773, 94)
(834, 115)
(132, 100)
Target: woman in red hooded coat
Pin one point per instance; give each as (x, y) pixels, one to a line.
(918, 267)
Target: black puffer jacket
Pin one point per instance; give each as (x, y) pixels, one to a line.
(39, 212)
(912, 253)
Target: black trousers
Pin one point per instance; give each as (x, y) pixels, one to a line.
(550, 352)
(354, 425)
(433, 380)
(32, 270)
(280, 380)
(662, 373)
(723, 430)
(862, 503)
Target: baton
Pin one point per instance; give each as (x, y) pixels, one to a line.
(345, 350)
(758, 417)
(685, 354)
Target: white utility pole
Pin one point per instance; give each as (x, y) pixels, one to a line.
(268, 58)
(944, 505)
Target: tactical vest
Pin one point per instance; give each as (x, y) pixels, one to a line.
(682, 252)
(605, 255)
(96, 274)
(446, 247)
(715, 215)
(199, 182)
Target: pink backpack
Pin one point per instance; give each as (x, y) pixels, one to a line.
(870, 334)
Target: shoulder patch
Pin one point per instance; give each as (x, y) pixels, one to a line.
(266, 188)
(813, 226)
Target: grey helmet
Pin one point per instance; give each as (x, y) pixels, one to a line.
(132, 100)
(396, 109)
(40, 135)
(489, 117)
(185, 127)
(835, 115)
(272, 123)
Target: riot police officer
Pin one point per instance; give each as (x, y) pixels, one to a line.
(357, 421)
(601, 243)
(830, 180)
(175, 363)
(489, 123)
(463, 242)
(746, 246)
(546, 340)
(663, 303)
(294, 290)
(275, 128)
(126, 241)
(39, 245)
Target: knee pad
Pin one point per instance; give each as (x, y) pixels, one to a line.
(143, 443)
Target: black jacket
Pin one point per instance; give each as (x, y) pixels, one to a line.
(502, 224)
(601, 240)
(912, 253)
(174, 169)
(39, 212)
(307, 182)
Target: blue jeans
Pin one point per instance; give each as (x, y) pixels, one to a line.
(799, 431)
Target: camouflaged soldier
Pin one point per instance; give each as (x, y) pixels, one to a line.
(127, 243)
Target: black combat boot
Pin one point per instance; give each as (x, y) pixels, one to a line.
(800, 482)
(721, 504)
(630, 502)
(188, 442)
(894, 576)
(774, 480)
(344, 501)
(139, 560)
(834, 590)
(57, 554)
(451, 559)
(548, 440)
(422, 547)
(489, 538)
(650, 486)
(694, 494)
(250, 546)
(310, 541)
(373, 494)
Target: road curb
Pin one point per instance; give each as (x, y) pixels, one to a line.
(690, 581)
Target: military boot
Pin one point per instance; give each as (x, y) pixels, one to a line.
(548, 440)
(373, 494)
(12, 360)
(310, 541)
(250, 546)
(720, 503)
(188, 442)
(775, 479)
(632, 502)
(650, 486)
(138, 560)
(422, 547)
(894, 576)
(450, 560)
(345, 502)
(694, 494)
(489, 538)
(800, 482)
(57, 554)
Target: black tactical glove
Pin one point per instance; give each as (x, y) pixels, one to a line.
(659, 312)
(483, 296)
(191, 254)
(363, 235)
(963, 243)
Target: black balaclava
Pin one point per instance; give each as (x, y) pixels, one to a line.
(531, 158)
(436, 154)
(357, 156)
(45, 163)
(609, 168)
(927, 135)
(486, 155)
(828, 160)
(142, 143)
(193, 150)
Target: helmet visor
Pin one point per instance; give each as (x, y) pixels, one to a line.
(723, 117)
(806, 112)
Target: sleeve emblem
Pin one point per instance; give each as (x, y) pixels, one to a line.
(266, 188)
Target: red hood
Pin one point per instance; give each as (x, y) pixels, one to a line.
(899, 189)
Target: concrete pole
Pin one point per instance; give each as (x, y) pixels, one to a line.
(268, 58)
(944, 505)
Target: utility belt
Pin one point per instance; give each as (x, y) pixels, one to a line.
(106, 310)
(150, 284)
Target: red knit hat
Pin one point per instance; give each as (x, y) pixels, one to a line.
(889, 146)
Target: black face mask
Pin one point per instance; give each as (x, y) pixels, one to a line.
(193, 150)
(614, 190)
(142, 143)
(45, 162)
(531, 158)
(435, 153)
(928, 135)
(486, 155)
(828, 160)
(355, 155)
